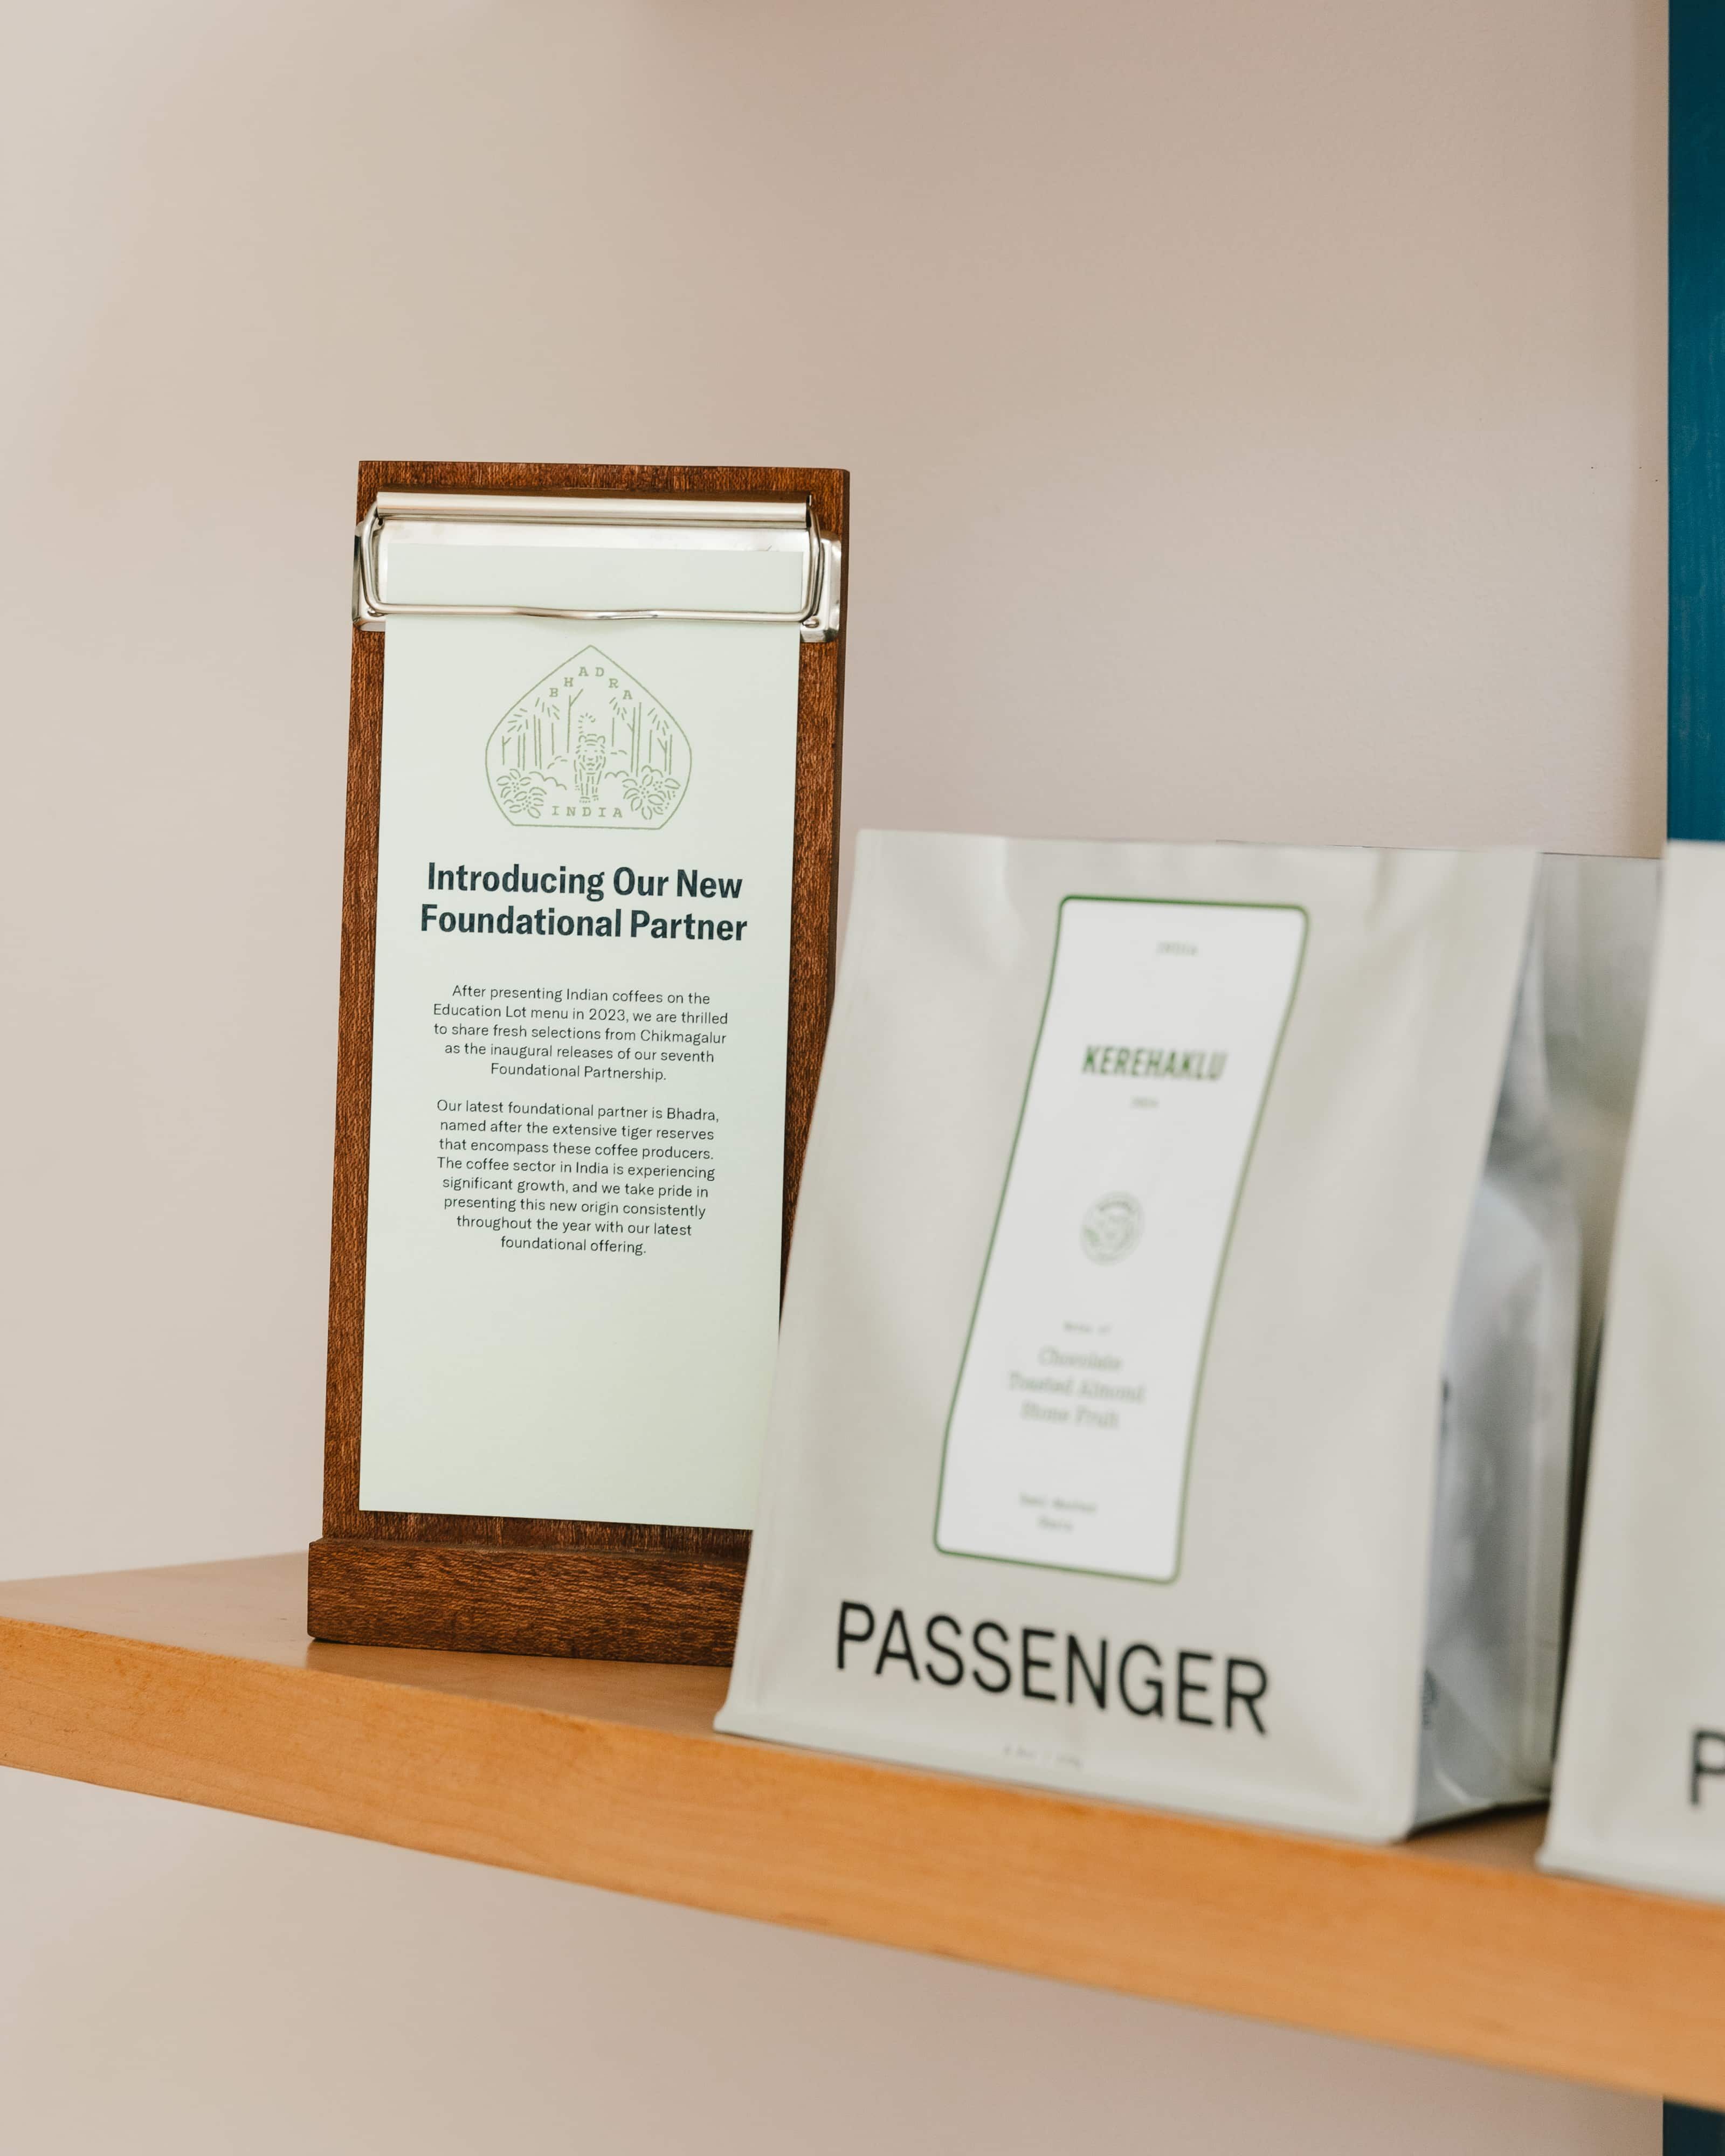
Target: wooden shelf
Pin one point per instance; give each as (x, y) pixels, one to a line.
(198, 1683)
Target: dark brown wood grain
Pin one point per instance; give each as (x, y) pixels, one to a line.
(373, 1579)
(604, 1605)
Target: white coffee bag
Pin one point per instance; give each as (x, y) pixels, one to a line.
(1640, 1793)
(1163, 1205)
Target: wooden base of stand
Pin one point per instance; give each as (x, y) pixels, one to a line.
(603, 1603)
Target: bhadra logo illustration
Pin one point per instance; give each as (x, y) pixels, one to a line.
(1110, 1230)
(589, 744)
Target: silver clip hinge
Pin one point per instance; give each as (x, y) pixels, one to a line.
(647, 521)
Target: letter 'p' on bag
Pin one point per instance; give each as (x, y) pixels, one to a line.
(1176, 1380)
(1640, 1782)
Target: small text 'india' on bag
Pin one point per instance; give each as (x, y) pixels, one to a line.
(1175, 1390)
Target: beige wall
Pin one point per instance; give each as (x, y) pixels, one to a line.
(1256, 414)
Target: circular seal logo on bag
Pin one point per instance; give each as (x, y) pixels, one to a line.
(1110, 1229)
(588, 746)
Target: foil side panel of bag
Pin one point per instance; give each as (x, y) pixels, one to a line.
(1500, 1529)
(1599, 915)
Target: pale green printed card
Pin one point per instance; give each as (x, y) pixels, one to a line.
(1069, 1434)
(579, 1069)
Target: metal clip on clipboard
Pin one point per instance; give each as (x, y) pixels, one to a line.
(538, 528)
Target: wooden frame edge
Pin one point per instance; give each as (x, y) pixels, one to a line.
(630, 1549)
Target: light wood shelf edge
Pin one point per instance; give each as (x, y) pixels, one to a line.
(197, 1683)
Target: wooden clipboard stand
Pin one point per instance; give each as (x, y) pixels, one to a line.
(616, 1592)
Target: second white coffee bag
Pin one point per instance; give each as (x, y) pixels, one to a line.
(1640, 1784)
